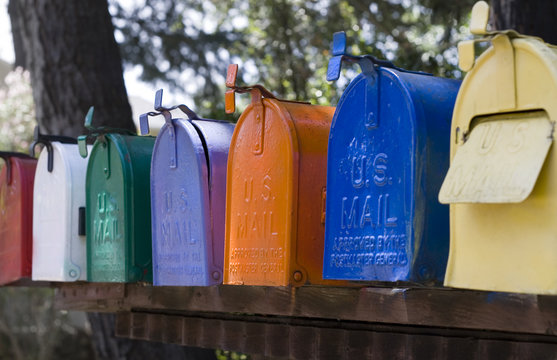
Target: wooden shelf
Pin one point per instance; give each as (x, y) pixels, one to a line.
(286, 322)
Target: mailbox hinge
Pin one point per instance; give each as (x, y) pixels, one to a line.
(106, 147)
(164, 111)
(501, 40)
(47, 140)
(6, 155)
(259, 111)
(369, 66)
(258, 93)
(95, 132)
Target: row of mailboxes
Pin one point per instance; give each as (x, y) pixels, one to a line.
(300, 194)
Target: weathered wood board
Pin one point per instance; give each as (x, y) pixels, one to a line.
(446, 308)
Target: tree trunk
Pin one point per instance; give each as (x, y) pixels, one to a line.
(70, 50)
(536, 17)
(74, 61)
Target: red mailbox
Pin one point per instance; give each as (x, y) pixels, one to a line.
(16, 216)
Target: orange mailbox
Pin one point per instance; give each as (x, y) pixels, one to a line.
(275, 190)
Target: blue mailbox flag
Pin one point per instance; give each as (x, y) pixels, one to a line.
(388, 152)
(188, 185)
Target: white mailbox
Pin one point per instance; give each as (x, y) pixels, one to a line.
(59, 246)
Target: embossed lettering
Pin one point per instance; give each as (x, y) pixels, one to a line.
(357, 251)
(261, 225)
(105, 223)
(266, 187)
(175, 232)
(348, 219)
(184, 203)
(168, 201)
(366, 213)
(380, 168)
(358, 171)
(517, 137)
(101, 202)
(489, 137)
(349, 213)
(248, 189)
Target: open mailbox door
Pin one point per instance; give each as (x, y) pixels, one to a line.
(500, 161)
(501, 181)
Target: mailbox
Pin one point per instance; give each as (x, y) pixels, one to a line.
(501, 182)
(275, 190)
(188, 184)
(118, 212)
(59, 248)
(388, 149)
(16, 216)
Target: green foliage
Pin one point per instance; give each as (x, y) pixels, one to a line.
(283, 44)
(17, 112)
(230, 355)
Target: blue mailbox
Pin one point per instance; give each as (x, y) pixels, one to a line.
(188, 186)
(388, 152)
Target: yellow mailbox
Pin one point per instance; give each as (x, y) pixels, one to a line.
(501, 184)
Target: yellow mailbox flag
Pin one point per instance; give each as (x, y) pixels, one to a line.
(503, 207)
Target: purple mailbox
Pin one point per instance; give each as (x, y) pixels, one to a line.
(188, 186)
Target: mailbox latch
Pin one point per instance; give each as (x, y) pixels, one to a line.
(165, 111)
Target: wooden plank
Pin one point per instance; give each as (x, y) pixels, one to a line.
(26, 282)
(443, 308)
(98, 297)
(297, 341)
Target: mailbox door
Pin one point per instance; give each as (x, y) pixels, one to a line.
(16, 220)
(262, 183)
(118, 209)
(59, 252)
(370, 181)
(181, 211)
(107, 208)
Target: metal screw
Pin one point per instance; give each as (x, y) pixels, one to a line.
(216, 275)
(73, 273)
(298, 276)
